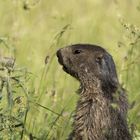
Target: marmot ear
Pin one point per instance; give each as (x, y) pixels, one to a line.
(108, 72)
(99, 58)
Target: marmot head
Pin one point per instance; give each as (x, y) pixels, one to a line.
(89, 63)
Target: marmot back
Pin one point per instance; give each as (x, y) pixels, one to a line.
(101, 112)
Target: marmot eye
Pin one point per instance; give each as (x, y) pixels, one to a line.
(77, 51)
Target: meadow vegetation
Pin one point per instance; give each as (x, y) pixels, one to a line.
(37, 99)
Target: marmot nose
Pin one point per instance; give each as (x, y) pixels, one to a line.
(59, 55)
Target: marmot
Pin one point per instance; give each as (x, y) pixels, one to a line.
(101, 112)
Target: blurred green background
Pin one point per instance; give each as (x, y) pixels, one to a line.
(38, 99)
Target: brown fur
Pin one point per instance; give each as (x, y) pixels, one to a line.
(102, 108)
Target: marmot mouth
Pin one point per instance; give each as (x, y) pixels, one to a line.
(65, 68)
(59, 56)
(60, 60)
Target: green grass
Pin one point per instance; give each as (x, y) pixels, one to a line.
(38, 98)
